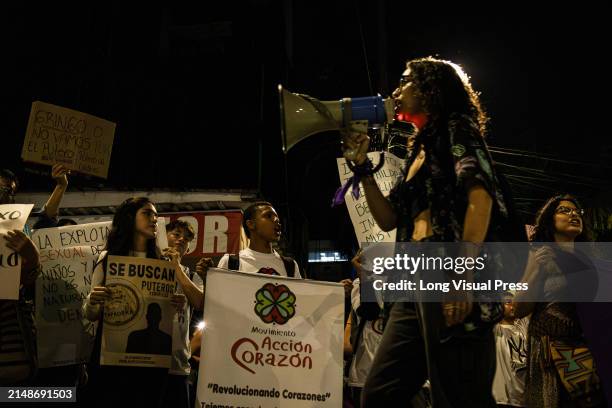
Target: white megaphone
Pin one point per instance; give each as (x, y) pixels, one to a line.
(303, 115)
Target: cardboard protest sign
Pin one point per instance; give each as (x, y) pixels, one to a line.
(12, 217)
(271, 342)
(68, 256)
(137, 328)
(80, 141)
(366, 228)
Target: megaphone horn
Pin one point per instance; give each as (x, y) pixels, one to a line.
(303, 116)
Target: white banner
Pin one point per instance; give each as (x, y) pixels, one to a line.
(271, 342)
(68, 256)
(12, 217)
(137, 328)
(366, 228)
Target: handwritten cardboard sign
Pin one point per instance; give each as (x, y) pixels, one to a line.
(80, 141)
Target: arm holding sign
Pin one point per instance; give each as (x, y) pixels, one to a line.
(379, 206)
(193, 293)
(50, 211)
(58, 173)
(97, 296)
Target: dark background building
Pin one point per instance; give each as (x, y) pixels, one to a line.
(193, 93)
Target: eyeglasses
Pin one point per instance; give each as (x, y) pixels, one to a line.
(569, 211)
(404, 79)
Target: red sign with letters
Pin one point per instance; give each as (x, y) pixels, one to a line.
(216, 232)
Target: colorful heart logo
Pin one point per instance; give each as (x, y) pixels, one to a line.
(275, 303)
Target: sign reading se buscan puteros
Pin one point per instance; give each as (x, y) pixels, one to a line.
(271, 342)
(138, 318)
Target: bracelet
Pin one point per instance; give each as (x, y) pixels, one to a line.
(360, 171)
(366, 168)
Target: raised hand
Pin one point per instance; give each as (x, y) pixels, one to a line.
(59, 173)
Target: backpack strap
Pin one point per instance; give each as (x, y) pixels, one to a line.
(233, 263)
(356, 330)
(289, 266)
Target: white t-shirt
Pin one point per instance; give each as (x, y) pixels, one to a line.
(181, 346)
(368, 343)
(259, 262)
(511, 370)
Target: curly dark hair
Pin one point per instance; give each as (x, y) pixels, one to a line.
(444, 88)
(121, 236)
(544, 230)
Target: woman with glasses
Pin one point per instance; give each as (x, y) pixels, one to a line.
(450, 193)
(560, 365)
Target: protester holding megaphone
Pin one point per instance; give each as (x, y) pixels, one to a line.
(448, 194)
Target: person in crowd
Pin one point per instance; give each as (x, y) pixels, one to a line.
(263, 228)
(511, 347)
(9, 184)
(18, 363)
(133, 233)
(450, 193)
(74, 374)
(366, 328)
(177, 393)
(556, 271)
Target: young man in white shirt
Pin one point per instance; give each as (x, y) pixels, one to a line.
(262, 226)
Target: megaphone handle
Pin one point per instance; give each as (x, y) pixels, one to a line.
(347, 112)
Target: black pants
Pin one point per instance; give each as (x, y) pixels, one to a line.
(128, 387)
(461, 368)
(176, 392)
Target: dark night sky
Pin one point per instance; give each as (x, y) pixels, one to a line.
(193, 90)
